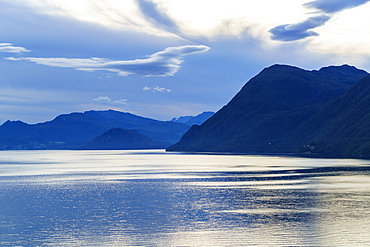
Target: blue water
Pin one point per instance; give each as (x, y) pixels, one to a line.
(153, 198)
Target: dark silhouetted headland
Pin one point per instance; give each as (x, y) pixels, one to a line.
(118, 139)
(286, 109)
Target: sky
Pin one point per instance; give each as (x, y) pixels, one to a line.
(163, 58)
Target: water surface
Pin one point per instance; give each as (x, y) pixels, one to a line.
(153, 198)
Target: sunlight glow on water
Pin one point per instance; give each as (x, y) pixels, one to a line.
(153, 198)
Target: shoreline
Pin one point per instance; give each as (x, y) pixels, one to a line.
(296, 155)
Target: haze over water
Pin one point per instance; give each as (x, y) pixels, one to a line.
(153, 198)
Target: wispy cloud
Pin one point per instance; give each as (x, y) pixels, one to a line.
(163, 63)
(326, 10)
(105, 100)
(152, 13)
(157, 89)
(9, 47)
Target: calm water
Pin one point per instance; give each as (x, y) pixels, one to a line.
(153, 198)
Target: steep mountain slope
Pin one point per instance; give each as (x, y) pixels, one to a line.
(70, 131)
(342, 127)
(268, 109)
(117, 139)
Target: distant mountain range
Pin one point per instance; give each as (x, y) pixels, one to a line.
(191, 120)
(75, 130)
(286, 109)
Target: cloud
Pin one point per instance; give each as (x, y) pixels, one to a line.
(9, 47)
(161, 89)
(105, 100)
(152, 13)
(302, 30)
(163, 63)
(334, 6)
(157, 89)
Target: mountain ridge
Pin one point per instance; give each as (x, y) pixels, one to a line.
(268, 108)
(70, 131)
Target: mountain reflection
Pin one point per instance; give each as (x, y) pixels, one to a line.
(117, 198)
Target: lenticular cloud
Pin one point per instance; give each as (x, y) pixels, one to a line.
(292, 32)
(302, 30)
(333, 6)
(163, 63)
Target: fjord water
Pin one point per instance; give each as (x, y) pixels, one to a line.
(154, 198)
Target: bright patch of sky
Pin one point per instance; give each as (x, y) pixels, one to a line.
(163, 58)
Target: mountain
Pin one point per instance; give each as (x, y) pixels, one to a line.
(70, 131)
(163, 132)
(199, 119)
(273, 105)
(341, 128)
(182, 119)
(118, 139)
(11, 143)
(191, 120)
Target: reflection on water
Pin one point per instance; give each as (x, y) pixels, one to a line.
(141, 198)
